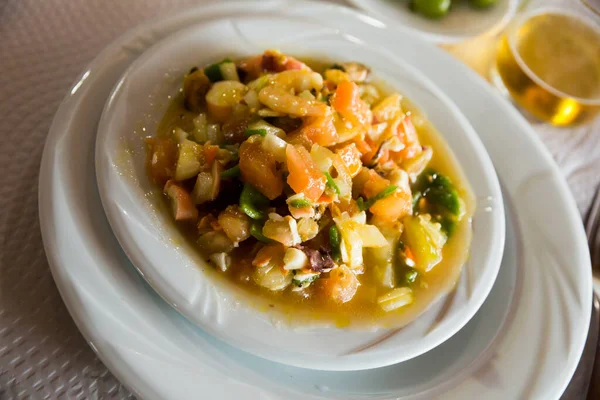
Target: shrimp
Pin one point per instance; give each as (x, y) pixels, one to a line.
(280, 93)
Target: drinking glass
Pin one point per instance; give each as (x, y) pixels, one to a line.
(548, 60)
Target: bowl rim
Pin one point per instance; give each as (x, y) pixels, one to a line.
(137, 259)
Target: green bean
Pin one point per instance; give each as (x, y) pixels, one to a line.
(261, 132)
(300, 203)
(256, 232)
(331, 183)
(232, 172)
(336, 241)
(213, 71)
(251, 202)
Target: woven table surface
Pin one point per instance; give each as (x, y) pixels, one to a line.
(44, 45)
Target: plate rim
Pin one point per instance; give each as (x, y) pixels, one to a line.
(46, 173)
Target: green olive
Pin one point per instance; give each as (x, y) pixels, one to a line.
(481, 3)
(431, 8)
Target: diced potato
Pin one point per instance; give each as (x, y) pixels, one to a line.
(181, 202)
(251, 99)
(370, 235)
(382, 258)
(221, 260)
(341, 285)
(180, 135)
(215, 242)
(351, 245)
(269, 272)
(221, 98)
(203, 189)
(200, 132)
(425, 239)
(189, 161)
(322, 156)
(308, 228)
(388, 108)
(294, 259)
(229, 71)
(275, 146)
(396, 298)
(207, 185)
(272, 278)
(235, 223)
(283, 230)
(343, 180)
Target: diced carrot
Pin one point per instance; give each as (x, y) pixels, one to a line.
(259, 168)
(181, 202)
(348, 103)
(394, 207)
(375, 185)
(351, 158)
(162, 158)
(320, 130)
(304, 175)
(210, 153)
(408, 135)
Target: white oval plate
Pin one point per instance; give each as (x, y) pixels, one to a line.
(524, 343)
(176, 270)
(461, 23)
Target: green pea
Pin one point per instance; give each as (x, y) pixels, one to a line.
(481, 3)
(431, 8)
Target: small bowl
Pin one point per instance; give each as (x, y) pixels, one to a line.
(461, 23)
(177, 272)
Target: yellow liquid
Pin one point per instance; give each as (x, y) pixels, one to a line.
(551, 67)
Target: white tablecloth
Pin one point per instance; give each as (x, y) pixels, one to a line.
(43, 47)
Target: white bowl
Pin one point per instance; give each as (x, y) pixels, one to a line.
(462, 22)
(185, 281)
